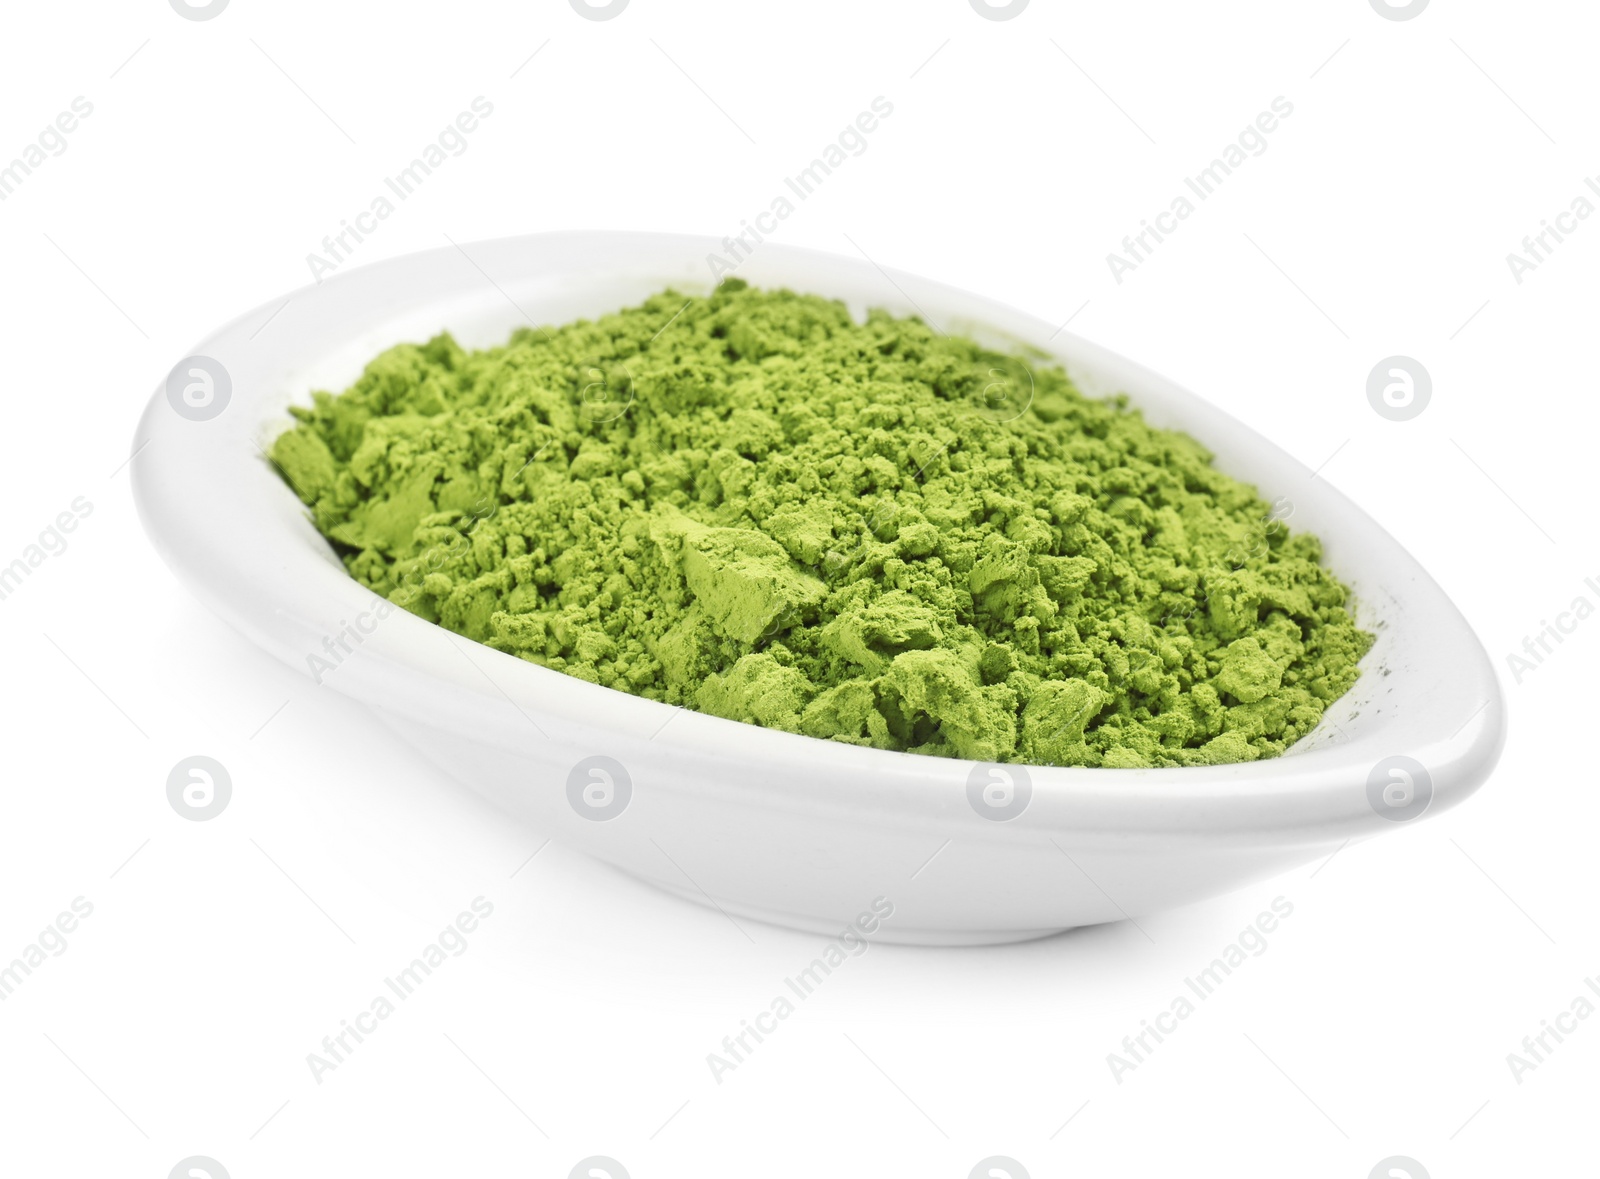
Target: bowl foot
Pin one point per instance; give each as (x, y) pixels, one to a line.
(889, 931)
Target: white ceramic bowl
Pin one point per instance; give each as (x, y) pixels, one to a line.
(783, 828)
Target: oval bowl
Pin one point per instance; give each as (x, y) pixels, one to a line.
(783, 828)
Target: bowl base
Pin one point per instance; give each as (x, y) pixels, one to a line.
(888, 932)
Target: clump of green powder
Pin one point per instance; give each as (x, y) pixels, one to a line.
(754, 506)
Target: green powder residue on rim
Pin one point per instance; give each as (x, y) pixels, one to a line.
(754, 506)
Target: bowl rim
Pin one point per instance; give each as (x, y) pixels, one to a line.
(235, 533)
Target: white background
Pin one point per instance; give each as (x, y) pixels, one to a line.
(220, 153)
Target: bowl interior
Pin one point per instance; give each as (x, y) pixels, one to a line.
(486, 317)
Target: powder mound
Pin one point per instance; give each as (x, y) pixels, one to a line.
(756, 506)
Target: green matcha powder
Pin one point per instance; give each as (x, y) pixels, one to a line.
(754, 506)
